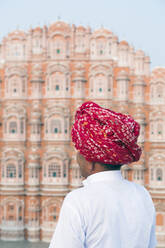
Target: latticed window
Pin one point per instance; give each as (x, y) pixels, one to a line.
(100, 82)
(22, 126)
(138, 174)
(152, 174)
(77, 173)
(20, 218)
(11, 170)
(67, 83)
(54, 213)
(23, 85)
(159, 129)
(3, 171)
(16, 49)
(100, 47)
(46, 126)
(159, 91)
(19, 170)
(45, 171)
(11, 207)
(56, 47)
(13, 127)
(54, 170)
(55, 126)
(64, 170)
(57, 87)
(91, 84)
(159, 174)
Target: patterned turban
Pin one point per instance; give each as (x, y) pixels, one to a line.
(102, 135)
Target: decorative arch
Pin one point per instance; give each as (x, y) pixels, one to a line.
(56, 123)
(12, 211)
(12, 167)
(100, 44)
(15, 47)
(157, 130)
(100, 81)
(57, 81)
(50, 212)
(59, 40)
(55, 167)
(157, 170)
(157, 91)
(14, 122)
(15, 82)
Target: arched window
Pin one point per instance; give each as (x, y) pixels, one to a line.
(138, 174)
(12, 127)
(64, 170)
(101, 46)
(152, 174)
(36, 45)
(67, 83)
(19, 170)
(56, 83)
(16, 49)
(54, 170)
(160, 130)
(11, 171)
(58, 48)
(159, 174)
(152, 91)
(15, 86)
(80, 43)
(157, 128)
(3, 171)
(152, 128)
(91, 85)
(22, 126)
(100, 84)
(55, 126)
(54, 213)
(159, 91)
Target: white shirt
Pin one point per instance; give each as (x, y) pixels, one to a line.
(108, 212)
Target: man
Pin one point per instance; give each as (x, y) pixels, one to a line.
(109, 211)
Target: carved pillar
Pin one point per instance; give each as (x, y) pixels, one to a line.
(79, 80)
(36, 81)
(139, 90)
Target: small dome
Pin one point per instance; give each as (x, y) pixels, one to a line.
(80, 29)
(102, 31)
(17, 34)
(140, 53)
(59, 25)
(124, 43)
(37, 29)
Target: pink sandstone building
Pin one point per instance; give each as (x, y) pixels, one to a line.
(45, 74)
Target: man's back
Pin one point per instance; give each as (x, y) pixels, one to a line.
(108, 211)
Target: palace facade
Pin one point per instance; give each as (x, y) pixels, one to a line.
(45, 74)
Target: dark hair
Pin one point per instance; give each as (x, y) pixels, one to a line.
(109, 166)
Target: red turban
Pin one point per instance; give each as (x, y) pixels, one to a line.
(102, 135)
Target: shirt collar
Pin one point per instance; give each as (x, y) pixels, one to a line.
(103, 176)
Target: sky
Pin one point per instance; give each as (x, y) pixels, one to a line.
(140, 22)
